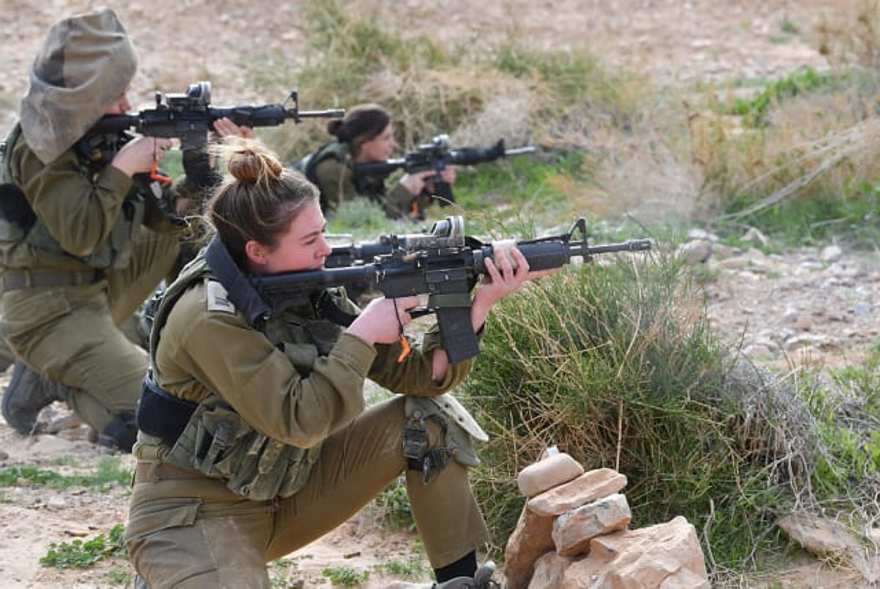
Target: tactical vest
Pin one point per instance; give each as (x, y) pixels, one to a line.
(369, 187)
(216, 441)
(19, 225)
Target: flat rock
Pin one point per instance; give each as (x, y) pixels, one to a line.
(664, 556)
(573, 531)
(531, 539)
(830, 254)
(695, 252)
(548, 473)
(825, 538)
(587, 488)
(549, 571)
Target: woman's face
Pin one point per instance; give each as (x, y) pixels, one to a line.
(302, 247)
(379, 148)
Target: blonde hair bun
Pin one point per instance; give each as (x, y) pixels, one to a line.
(251, 163)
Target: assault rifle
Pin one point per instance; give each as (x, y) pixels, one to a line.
(444, 264)
(436, 155)
(190, 117)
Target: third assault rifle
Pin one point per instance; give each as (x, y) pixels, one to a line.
(190, 117)
(444, 264)
(436, 155)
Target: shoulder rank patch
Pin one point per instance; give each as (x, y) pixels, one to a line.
(218, 298)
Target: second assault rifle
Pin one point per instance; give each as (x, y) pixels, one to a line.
(443, 264)
(436, 156)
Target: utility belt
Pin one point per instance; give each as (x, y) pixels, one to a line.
(21, 279)
(210, 439)
(160, 413)
(155, 471)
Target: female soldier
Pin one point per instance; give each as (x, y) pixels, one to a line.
(253, 436)
(365, 135)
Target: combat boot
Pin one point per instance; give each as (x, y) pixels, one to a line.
(482, 579)
(27, 394)
(120, 434)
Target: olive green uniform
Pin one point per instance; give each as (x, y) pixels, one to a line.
(70, 333)
(80, 247)
(204, 515)
(335, 178)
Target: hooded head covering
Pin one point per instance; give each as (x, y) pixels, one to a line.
(85, 63)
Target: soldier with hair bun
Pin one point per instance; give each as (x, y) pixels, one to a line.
(366, 134)
(255, 438)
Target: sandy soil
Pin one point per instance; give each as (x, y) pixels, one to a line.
(673, 40)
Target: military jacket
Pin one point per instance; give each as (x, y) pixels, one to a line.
(334, 176)
(294, 380)
(85, 219)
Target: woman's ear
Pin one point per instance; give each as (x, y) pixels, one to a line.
(256, 252)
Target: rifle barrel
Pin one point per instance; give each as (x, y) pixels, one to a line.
(630, 245)
(329, 113)
(519, 150)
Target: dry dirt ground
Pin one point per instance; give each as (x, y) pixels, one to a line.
(771, 301)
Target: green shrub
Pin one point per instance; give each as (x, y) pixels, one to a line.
(394, 506)
(755, 110)
(815, 220)
(82, 554)
(617, 365)
(411, 568)
(110, 472)
(346, 576)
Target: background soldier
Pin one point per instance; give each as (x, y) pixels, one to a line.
(364, 135)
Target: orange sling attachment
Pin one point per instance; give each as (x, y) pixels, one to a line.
(405, 349)
(154, 169)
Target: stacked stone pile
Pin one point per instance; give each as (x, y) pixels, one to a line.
(574, 533)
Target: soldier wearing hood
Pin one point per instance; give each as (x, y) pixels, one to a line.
(82, 244)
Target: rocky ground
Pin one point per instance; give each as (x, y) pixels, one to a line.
(813, 305)
(786, 307)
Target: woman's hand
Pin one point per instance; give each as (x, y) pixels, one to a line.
(507, 275)
(226, 128)
(382, 319)
(415, 183)
(137, 155)
(449, 174)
